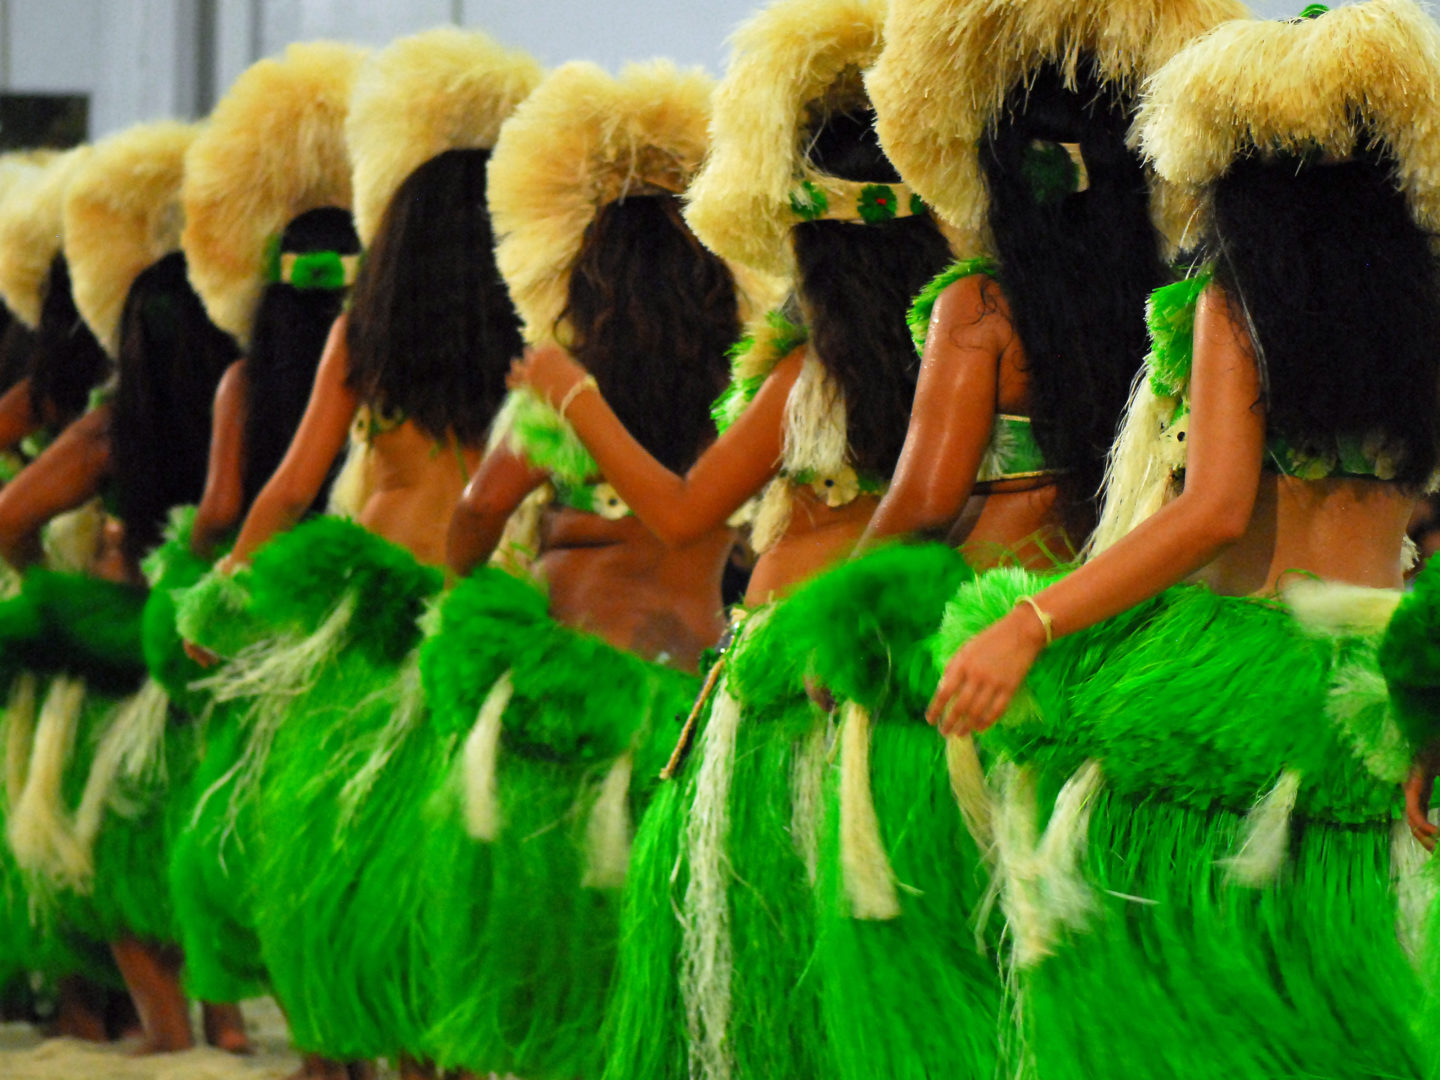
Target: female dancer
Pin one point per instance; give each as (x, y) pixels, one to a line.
(812, 194)
(578, 683)
(416, 369)
(1029, 353)
(281, 122)
(92, 823)
(1226, 747)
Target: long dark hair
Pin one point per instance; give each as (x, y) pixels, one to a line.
(1075, 268)
(432, 329)
(17, 344)
(855, 285)
(291, 326)
(67, 361)
(653, 314)
(171, 358)
(1342, 289)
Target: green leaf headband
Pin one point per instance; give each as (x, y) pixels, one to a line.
(327, 270)
(1053, 170)
(828, 198)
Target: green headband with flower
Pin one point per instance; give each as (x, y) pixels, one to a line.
(328, 270)
(828, 198)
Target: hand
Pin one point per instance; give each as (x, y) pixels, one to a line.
(548, 370)
(983, 676)
(1418, 788)
(230, 564)
(201, 655)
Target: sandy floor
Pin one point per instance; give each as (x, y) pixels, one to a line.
(25, 1055)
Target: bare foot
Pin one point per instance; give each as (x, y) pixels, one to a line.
(225, 1028)
(152, 975)
(81, 1011)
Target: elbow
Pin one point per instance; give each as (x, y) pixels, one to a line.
(1223, 524)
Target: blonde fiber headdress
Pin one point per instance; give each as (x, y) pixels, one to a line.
(273, 148)
(444, 89)
(948, 66)
(793, 53)
(122, 215)
(32, 232)
(1359, 74)
(585, 138)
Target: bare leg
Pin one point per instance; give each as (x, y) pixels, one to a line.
(411, 1069)
(152, 975)
(81, 1010)
(225, 1028)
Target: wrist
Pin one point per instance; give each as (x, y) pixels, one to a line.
(1032, 623)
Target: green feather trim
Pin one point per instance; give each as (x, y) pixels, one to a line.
(924, 304)
(215, 612)
(1170, 314)
(752, 358)
(74, 623)
(172, 569)
(1410, 658)
(547, 441)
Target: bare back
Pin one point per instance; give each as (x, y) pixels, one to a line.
(413, 484)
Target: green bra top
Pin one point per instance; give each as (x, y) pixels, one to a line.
(1012, 453)
(1170, 313)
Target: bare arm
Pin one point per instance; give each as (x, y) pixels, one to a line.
(500, 484)
(224, 495)
(677, 509)
(1222, 477)
(66, 475)
(318, 441)
(952, 417)
(18, 417)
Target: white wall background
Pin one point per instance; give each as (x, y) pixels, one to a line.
(146, 59)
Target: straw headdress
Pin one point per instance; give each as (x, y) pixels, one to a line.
(32, 231)
(585, 138)
(273, 148)
(790, 55)
(445, 89)
(948, 66)
(1367, 73)
(122, 215)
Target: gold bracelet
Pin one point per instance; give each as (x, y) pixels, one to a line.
(1046, 619)
(587, 383)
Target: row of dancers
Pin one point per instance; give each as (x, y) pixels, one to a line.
(1063, 374)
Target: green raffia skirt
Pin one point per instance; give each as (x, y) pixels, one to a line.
(1193, 812)
(104, 738)
(330, 746)
(214, 842)
(909, 988)
(552, 739)
(729, 857)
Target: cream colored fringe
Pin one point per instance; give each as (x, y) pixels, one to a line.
(39, 827)
(707, 952)
(481, 757)
(1040, 884)
(132, 749)
(405, 698)
(1139, 471)
(607, 834)
(807, 794)
(1415, 889)
(1266, 838)
(868, 878)
(19, 734)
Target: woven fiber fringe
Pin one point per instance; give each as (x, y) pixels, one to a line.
(914, 996)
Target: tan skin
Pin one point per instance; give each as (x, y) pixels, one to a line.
(18, 416)
(973, 368)
(223, 499)
(414, 481)
(1235, 527)
(679, 510)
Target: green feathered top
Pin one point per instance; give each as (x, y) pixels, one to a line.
(752, 359)
(924, 305)
(531, 427)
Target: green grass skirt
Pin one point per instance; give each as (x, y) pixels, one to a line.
(915, 994)
(1223, 902)
(214, 842)
(332, 725)
(524, 917)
